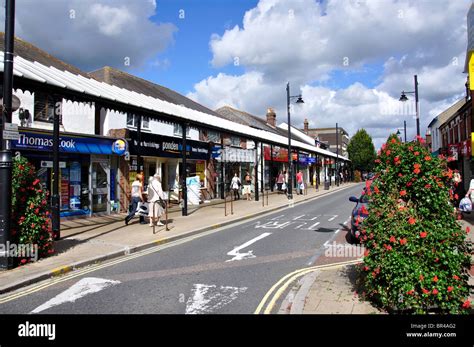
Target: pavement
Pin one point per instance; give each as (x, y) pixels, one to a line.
(335, 289)
(89, 241)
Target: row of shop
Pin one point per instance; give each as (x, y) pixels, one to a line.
(96, 171)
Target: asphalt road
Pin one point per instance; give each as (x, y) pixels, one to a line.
(225, 271)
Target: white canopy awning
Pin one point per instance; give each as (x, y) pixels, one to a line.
(63, 79)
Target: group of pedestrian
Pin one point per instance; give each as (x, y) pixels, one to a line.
(282, 182)
(154, 197)
(235, 185)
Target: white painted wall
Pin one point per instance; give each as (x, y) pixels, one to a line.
(78, 117)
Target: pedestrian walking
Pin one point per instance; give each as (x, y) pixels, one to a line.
(299, 181)
(247, 185)
(285, 182)
(235, 186)
(156, 199)
(137, 197)
(280, 181)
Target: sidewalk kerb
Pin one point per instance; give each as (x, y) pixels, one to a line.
(62, 270)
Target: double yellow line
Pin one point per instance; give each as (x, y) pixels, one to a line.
(281, 286)
(80, 272)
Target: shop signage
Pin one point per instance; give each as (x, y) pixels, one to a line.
(471, 71)
(453, 151)
(237, 155)
(165, 146)
(279, 154)
(41, 141)
(119, 147)
(49, 164)
(466, 148)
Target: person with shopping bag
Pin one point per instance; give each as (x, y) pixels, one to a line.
(156, 200)
(137, 198)
(299, 181)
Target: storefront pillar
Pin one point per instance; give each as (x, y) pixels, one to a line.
(271, 168)
(185, 174)
(256, 170)
(262, 168)
(56, 225)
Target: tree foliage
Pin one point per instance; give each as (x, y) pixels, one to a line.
(362, 151)
(416, 257)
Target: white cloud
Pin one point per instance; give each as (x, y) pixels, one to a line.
(93, 33)
(305, 41)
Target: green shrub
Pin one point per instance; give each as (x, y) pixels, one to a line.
(417, 258)
(30, 214)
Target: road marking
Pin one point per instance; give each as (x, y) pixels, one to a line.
(314, 225)
(299, 226)
(334, 216)
(160, 245)
(277, 217)
(240, 256)
(286, 280)
(208, 298)
(299, 217)
(272, 225)
(82, 288)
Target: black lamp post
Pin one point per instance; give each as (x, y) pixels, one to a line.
(6, 162)
(404, 98)
(290, 156)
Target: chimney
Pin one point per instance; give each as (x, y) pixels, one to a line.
(306, 126)
(271, 117)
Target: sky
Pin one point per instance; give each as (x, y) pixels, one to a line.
(350, 59)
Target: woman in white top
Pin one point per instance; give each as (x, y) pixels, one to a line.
(235, 186)
(470, 192)
(137, 196)
(155, 193)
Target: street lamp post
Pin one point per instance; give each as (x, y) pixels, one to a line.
(336, 177)
(6, 163)
(404, 98)
(290, 157)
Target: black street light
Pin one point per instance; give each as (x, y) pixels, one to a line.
(6, 163)
(290, 156)
(404, 98)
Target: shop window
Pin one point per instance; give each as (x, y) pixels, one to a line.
(178, 130)
(45, 106)
(213, 136)
(145, 122)
(235, 141)
(132, 121)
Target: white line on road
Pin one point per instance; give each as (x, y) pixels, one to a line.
(332, 218)
(314, 225)
(208, 298)
(299, 217)
(277, 217)
(240, 256)
(82, 288)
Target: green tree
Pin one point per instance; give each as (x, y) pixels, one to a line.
(362, 151)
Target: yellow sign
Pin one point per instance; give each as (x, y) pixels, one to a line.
(472, 142)
(471, 72)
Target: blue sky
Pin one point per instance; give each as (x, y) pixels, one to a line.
(301, 41)
(187, 60)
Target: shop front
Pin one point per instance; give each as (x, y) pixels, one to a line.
(276, 161)
(163, 155)
(233, 160)
(459, 159)
(88, 169)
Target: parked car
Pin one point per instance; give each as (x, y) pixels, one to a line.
(359, 213)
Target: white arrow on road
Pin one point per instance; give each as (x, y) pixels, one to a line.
(239, 256)
(82, 288)
(208, 298)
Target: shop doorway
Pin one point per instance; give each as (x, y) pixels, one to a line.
(100, 186)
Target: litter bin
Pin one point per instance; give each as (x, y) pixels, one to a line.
(326, 185)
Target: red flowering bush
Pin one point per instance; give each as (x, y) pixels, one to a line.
(417, 258)
(30, 212)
